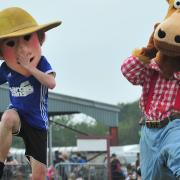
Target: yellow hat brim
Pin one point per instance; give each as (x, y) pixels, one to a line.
(21, 32)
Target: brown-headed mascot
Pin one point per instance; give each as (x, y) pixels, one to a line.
(156, 68)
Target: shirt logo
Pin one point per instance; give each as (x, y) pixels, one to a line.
(24, 90)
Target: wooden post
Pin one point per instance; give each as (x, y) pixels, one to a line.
(113, 131)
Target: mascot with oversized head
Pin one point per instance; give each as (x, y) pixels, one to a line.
(156, 68)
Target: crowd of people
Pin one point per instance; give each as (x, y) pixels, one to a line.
(125, 172)
(71, 167)
(63, 165)
(74, 167)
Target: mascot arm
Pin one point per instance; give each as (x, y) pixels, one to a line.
(145, 54)
(134, 70)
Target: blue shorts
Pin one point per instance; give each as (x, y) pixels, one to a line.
(160, 152)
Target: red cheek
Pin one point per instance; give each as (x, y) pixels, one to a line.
(8, 54)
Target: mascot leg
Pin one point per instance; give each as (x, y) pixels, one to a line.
(160, 152)
(167, 165)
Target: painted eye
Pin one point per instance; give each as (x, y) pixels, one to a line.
(177, 4)
(27, 37)
(10, 43)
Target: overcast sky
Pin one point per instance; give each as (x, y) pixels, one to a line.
(86, 51)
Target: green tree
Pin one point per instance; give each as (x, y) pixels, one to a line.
(66, 137)
(128, 123)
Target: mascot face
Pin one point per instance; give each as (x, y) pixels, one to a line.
(167, 34)
(25, 47)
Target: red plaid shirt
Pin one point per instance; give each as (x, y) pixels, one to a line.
(165, 91)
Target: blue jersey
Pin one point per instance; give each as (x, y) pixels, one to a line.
(27, 94)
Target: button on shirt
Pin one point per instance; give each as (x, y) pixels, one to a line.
(165, 90)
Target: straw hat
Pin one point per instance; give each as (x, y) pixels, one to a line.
(15, 22)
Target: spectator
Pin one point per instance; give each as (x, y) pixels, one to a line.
(116, 170)
(51, 173)
(131, 172)
(81, 159)
(60, 159)
(138, 170)
(73, 158)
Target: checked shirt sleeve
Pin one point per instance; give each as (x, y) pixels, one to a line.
(134, 70)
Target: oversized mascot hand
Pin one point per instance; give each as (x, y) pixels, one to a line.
(145, 54)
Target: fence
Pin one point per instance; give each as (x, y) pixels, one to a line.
(63, 171)
(81, 171)
(16, 172)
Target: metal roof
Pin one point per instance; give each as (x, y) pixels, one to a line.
(59, 104)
